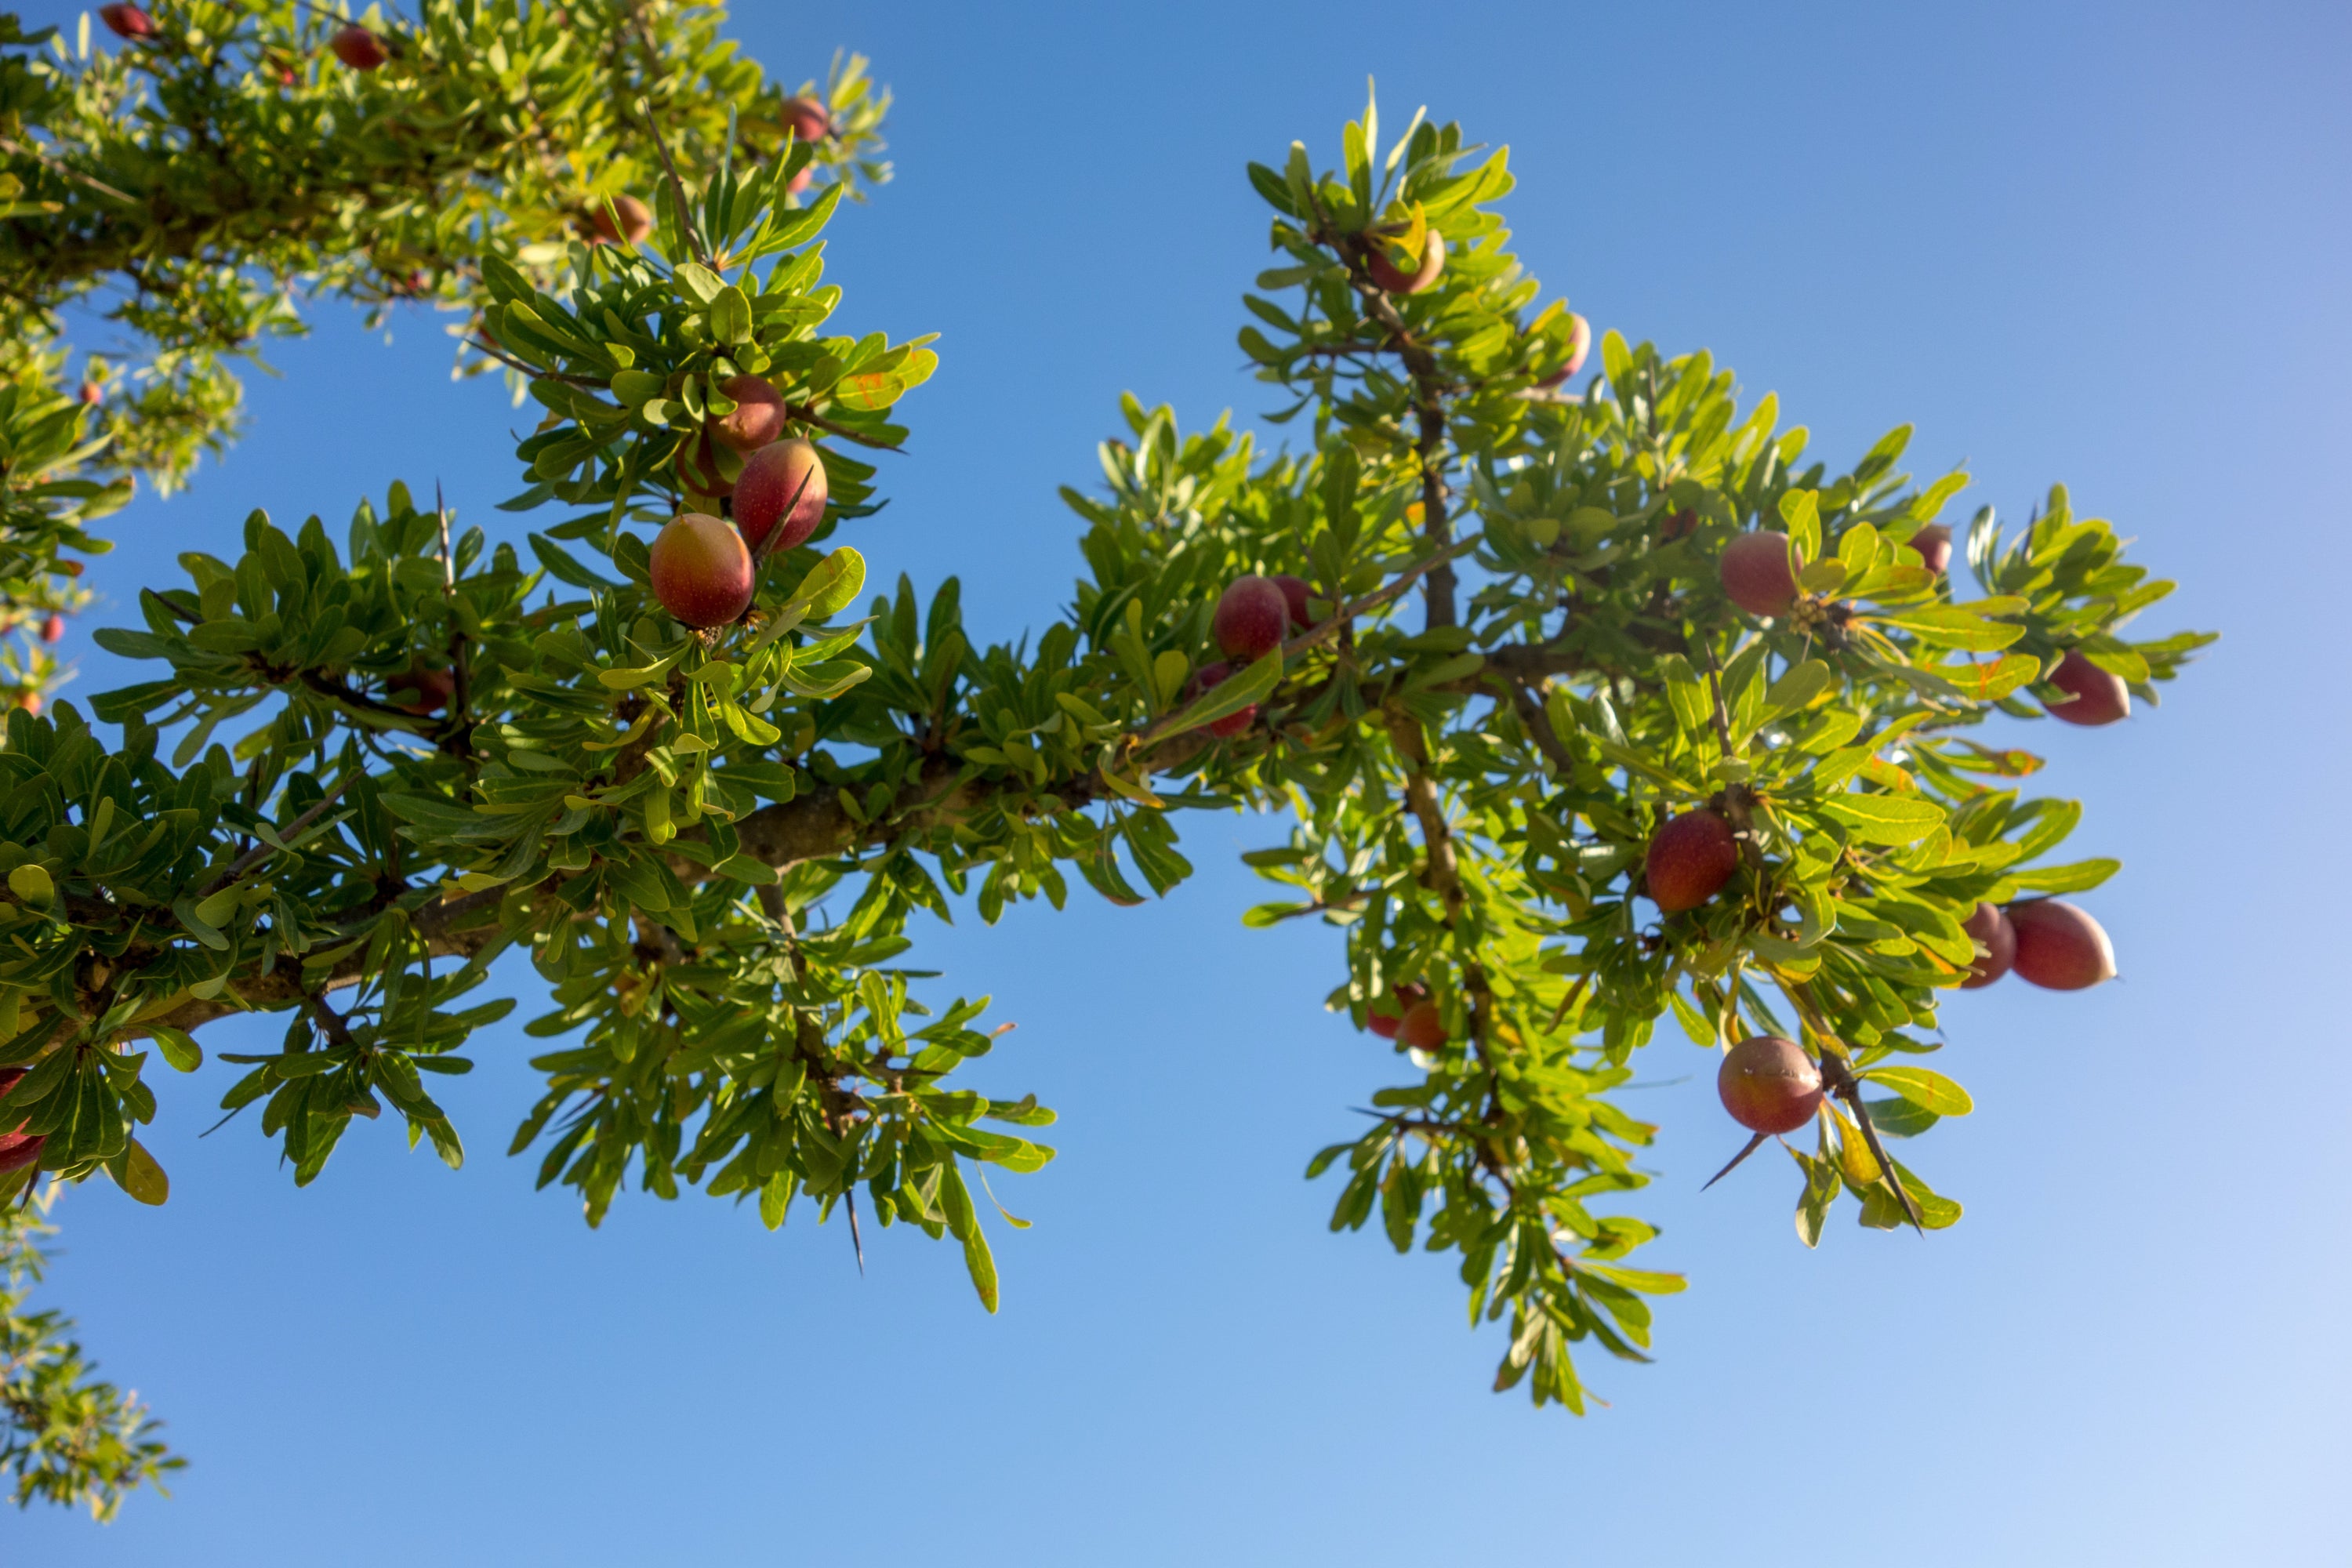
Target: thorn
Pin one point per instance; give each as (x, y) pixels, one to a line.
(856, 1240)
(1753, 1144)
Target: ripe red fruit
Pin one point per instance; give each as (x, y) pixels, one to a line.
(54, 630)
(1768, 1084)
(1422, 1028)
(359, 48)
(1760, 573)
(1382, 1017)
(1934, 543)
(784, 489)
(1393, 279)
(807, 120)
(1690, 859)
(1295, 594)
(30, 701)
(697, 469)
(758, 416)
(1989, 930)
(90, 394)
(127, 21)
(1232, 723)
(1579, 345)
(1252, 614)
(637, 222)
(422, 689)
(1679, 523)
(702, 572)
(17, 1150)
(2099, 696)
(2059, 947)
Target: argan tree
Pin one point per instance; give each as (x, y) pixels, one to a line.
(1589, 696)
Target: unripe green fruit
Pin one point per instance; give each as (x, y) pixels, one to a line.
(758, 416)
(1760, 573)
(359, 48)
(1768, 1084)
(1231, 724)
(1251, 616)
(635, 224)
(2100, 696)
(1422, 1028)
(2059, 947)
(1990, 929)
(1689, 861)
(1934, 543)
(702, 572)
(1392, 279)
(782, 494)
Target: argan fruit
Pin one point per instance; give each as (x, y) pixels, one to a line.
(807, 120)
(1423, 1026)
(1760, 573)
(635, 224)
(127, 21)
(1679, 523)
(1934, 543)
(783, 491)
(1233, 723)
(359, 48)
(1689, 861)
(89, 394)
(1382, 1017)
(30, 701)
(1252, 614)
(422, 689)
(17, 1150)
(2059, 947)
(702, 572)
(1768, 1084)
(1295, 594)
(2100, 696)
(1393, 281)
(1580, 346)
(758, 416)
(53, 630)
(1989, 930)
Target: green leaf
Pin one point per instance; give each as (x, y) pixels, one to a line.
(2080, 876)
(136, 1173)
(33, 885)
(730, 316)
(1884, 818)
(179, 1048)
(1233, 694)
(1928, 1090)
(832, 582)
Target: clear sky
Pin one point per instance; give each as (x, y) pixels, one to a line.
(2101, 243)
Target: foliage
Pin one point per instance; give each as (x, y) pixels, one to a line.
(713, 844)
(66, 1436)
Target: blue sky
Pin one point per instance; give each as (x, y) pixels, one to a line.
(2098, 243)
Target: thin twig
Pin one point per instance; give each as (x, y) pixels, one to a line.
(54, 166)
(260, 852)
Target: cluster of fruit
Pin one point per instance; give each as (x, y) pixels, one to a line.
(703, 568)
(354, 45)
